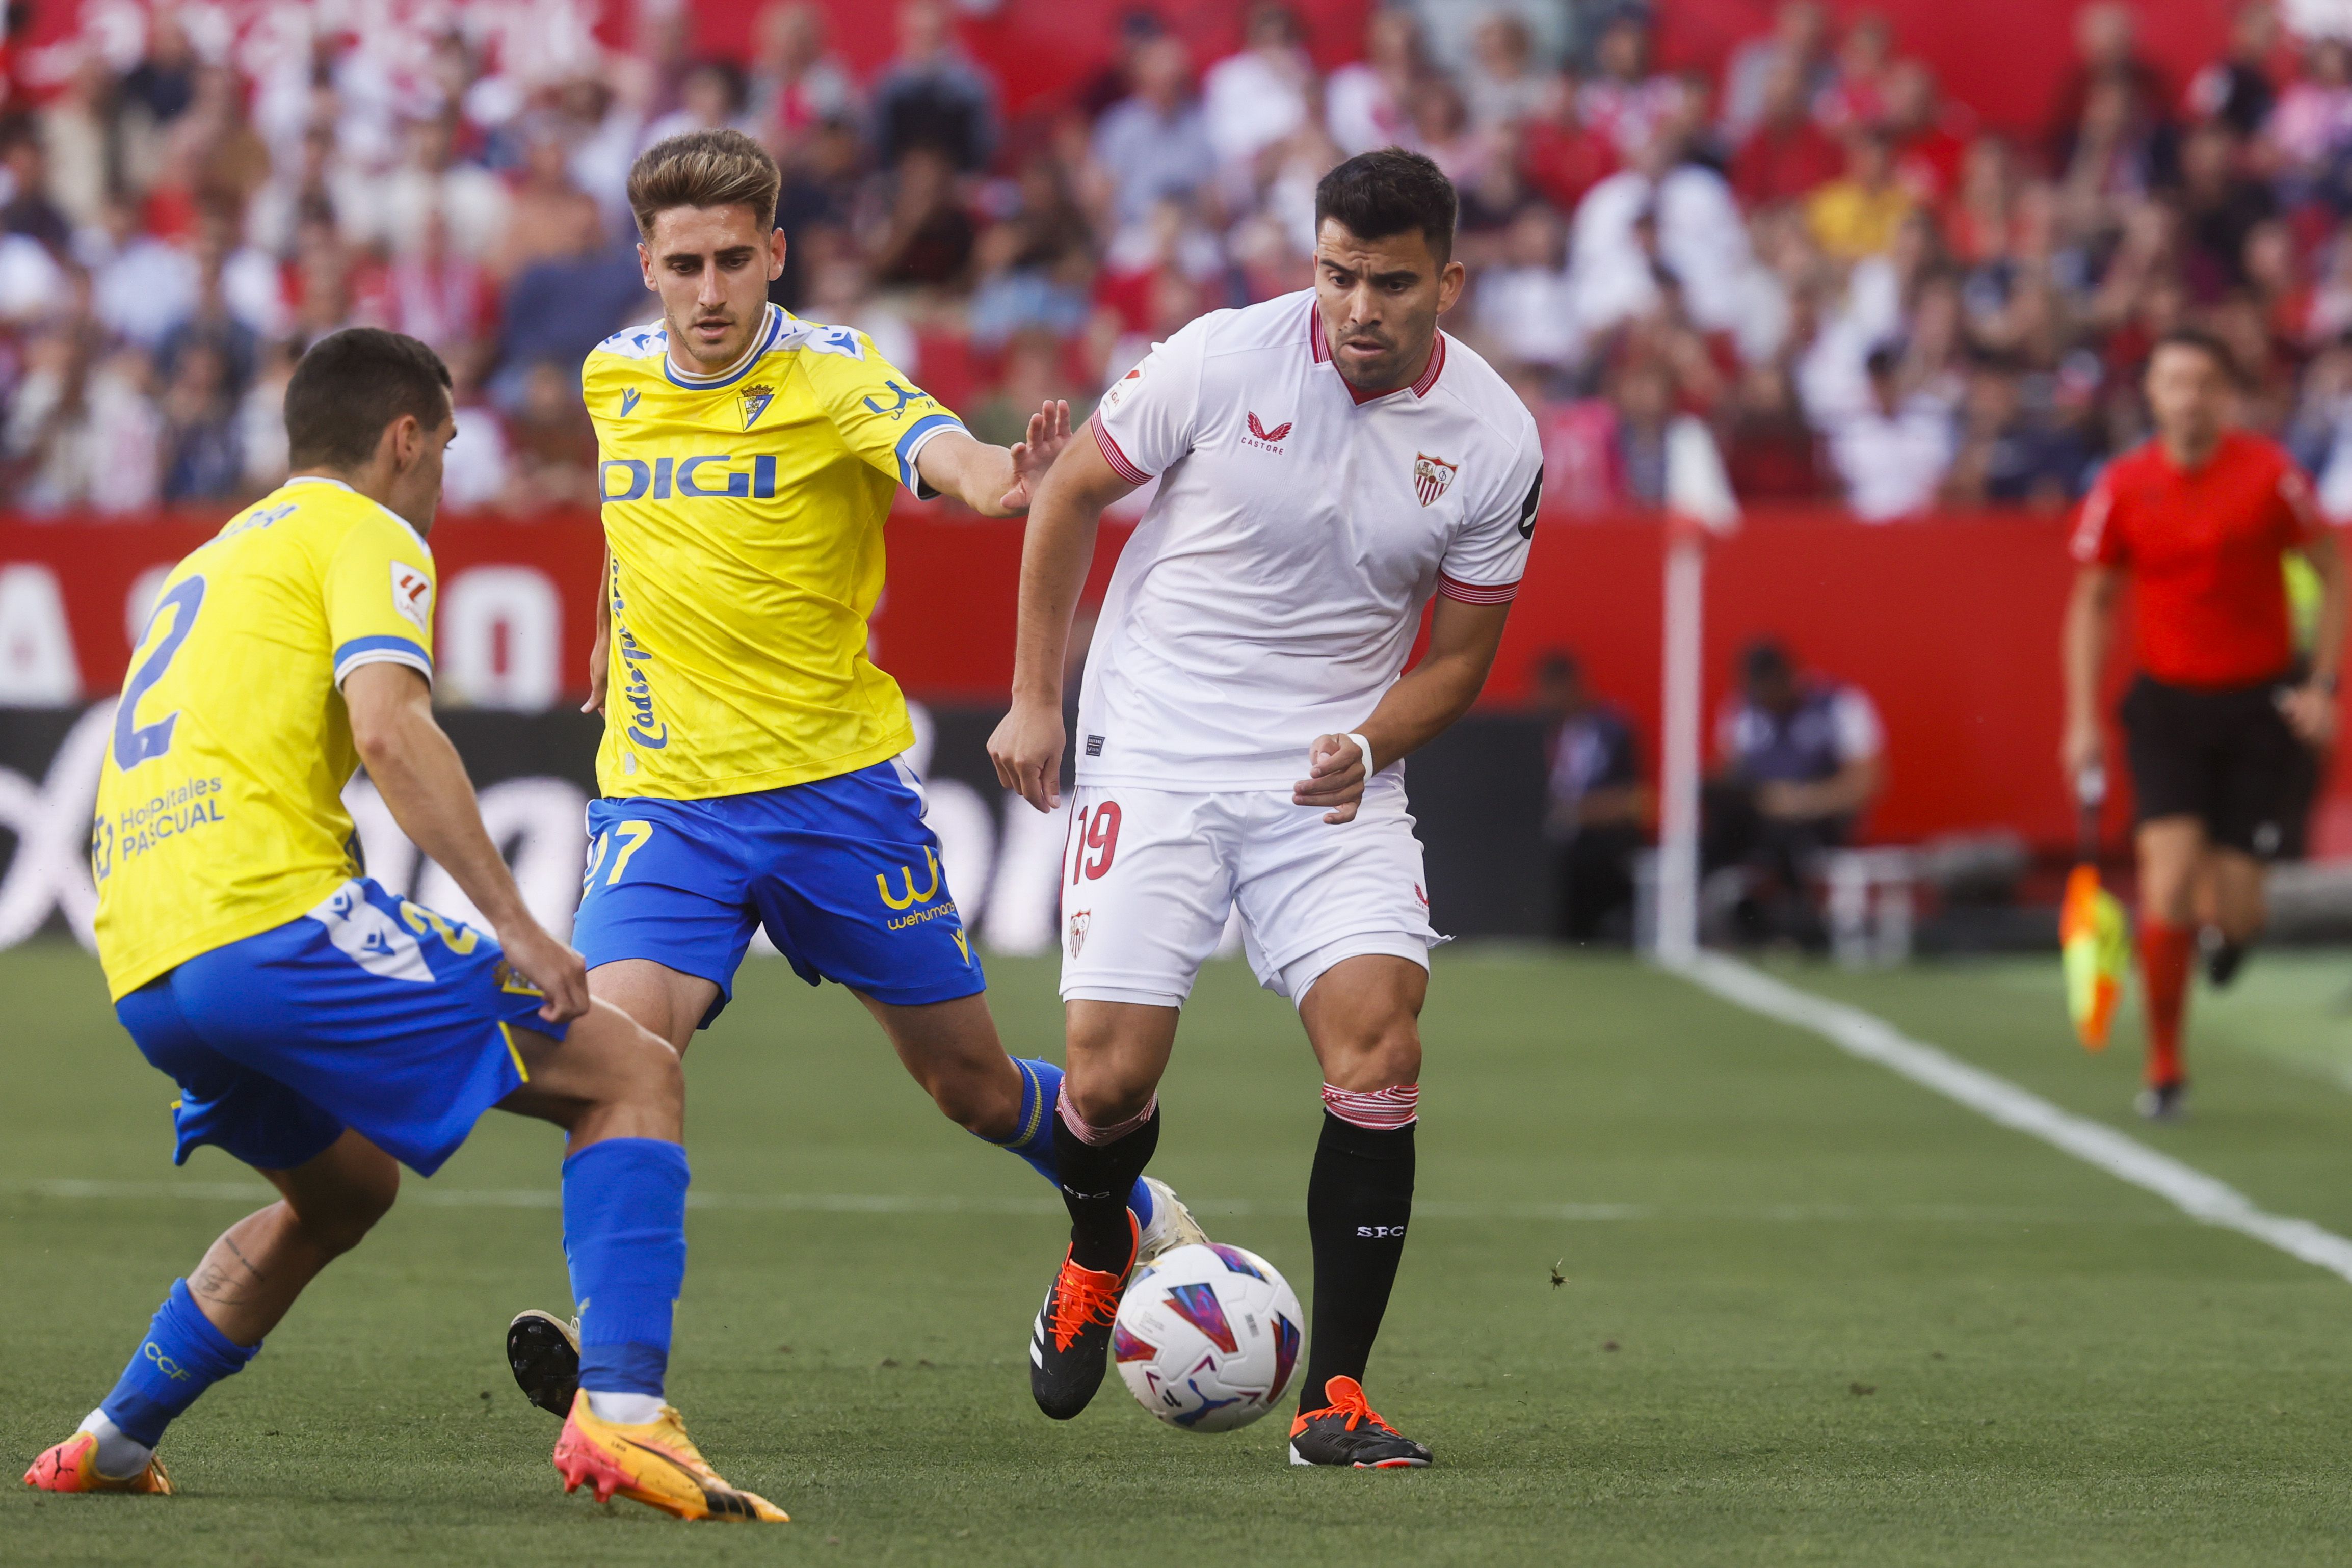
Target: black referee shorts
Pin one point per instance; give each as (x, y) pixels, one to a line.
(2226, 757)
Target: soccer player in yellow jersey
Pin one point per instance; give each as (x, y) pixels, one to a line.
(749, 768)
(322, 1030)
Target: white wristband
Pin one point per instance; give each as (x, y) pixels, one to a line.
(1366, 748)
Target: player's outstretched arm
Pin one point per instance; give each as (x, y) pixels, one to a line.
(996, 481)
(421, 779)
(1463, 638)
(1055, 550)
(2090, 626)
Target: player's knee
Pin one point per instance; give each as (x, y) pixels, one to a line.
(1383, 1054)
(1105, 1097)
(336, 1221)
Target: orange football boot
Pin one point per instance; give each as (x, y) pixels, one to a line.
(72, 1465)
(655, 1464)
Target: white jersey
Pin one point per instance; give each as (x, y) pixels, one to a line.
(1273, 589)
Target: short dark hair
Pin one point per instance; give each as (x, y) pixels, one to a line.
(350, 385)
(1765, 659)
(2205, 343)
(1376, 195)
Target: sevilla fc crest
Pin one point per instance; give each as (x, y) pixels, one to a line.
(1078, 924)
(1430, 476)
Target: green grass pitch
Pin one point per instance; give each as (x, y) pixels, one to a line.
(1813, 1313)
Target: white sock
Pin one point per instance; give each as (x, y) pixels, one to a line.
(119, 1456)
(626, 1409)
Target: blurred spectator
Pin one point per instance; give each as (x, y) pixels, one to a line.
(1443, 129)
(1365, 100)
(2010, 455)
(557, 310)
(931, 97)
(1035, 264)
(1798, 761)
(1155, 143)
(1858, 95)
(1796, 49)
(1787, 155)
(1925, 134)
(2237, 89)
(1770, 451)
(549, 217)
(440, 296)
(794, 85)
(1504, 83)
(77, 131)
(1891, 454)
(28, 209)
(2312, 125)
(714, 97)
(200, 460)
(2106, 43)
(2220, 207)
(1523, 308)
(1258, 97)
(552, 447)
(1857, 214)
(1034, 372)
(1624, 101)
(928, 240)
(1597, 809)
(83, 433)
(466, 200)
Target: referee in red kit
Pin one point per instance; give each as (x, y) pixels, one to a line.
(2197, 519)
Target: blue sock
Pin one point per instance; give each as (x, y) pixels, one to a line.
(624, 1237)
(181, 1356)
(1041, 1087)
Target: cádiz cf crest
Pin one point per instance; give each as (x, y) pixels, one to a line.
(755, 404)
(1430, 476)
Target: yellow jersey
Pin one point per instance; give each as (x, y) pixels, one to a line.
(744, 512)
(220, 809)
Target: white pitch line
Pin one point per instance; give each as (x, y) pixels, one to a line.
(1872, 1038)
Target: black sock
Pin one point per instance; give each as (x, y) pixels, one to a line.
(1357, 1202)
(1096, 1180)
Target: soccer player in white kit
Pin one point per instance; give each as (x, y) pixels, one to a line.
(1328, 461)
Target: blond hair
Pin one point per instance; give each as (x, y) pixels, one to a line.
(703, 169)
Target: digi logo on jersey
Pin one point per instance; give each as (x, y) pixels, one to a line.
(698, 479)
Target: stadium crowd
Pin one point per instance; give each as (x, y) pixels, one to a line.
(1869, 297)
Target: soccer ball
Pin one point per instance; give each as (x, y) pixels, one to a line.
(1207, 1337)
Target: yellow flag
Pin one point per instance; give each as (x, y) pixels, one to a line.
(2095, 944)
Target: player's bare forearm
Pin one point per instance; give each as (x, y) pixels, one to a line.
(1462, 639)
(2090, 625)
(421, 779)
(1055, 550)
(996, 481)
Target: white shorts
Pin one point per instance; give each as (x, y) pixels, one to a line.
(1150, 876)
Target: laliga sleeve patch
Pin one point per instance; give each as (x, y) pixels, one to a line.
(411, 594)
(1120, 388)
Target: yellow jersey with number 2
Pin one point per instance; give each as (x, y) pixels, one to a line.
(220, 809)
(744, 511)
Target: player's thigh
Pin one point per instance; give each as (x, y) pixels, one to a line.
(670, 1004)
(666, 889)
(604, 1060)
(1117, 1053)
(1363, 1016)
(1313, 893)
(1147, 886)
(852, 890)
(2172, 851)
(390, 1019)
(342, 1191)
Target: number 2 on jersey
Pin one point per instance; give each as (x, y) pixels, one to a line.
(135, 743)
(1098, 836)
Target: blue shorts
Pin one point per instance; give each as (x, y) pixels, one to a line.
(368, 1012)
(843, 871)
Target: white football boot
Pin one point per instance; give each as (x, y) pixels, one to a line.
(1172, 1225)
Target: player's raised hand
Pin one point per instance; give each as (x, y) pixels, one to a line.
(1028, 751)
(561, 974)
(1049, 431)
(1335, 778)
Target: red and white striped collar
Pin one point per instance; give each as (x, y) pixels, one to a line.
(1319, 347)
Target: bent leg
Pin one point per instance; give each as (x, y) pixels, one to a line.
(1106, 1124)
(670, 1004)
(1363, 1017)
(2240, 908)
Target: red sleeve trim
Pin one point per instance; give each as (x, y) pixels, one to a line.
(1477, 592)
(1113, 456)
